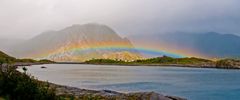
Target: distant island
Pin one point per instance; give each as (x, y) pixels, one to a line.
(169, 61)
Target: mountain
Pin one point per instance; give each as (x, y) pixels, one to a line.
(77, 43)
(209, 45)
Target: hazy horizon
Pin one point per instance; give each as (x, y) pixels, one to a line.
(24, 19)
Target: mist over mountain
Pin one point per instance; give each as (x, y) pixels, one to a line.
(210, 44)
(7, 43)
(77, 43)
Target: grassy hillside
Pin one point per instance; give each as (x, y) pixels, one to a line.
(158, 60)
(191, 62)
(19, 86)
(170, 60)
(105, 61)
(4, 58)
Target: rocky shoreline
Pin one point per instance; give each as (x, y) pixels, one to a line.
(85, 94)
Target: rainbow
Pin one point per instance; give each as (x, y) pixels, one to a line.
(157, 53)
(141, 50)
(116, 46)
(144, 51)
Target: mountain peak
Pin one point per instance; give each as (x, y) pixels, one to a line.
(78, 43)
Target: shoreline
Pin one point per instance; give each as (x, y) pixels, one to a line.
(77, 93)
(158, 65)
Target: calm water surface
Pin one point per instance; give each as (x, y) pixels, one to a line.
(191, 83)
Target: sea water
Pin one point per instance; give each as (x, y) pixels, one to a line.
(190, 83)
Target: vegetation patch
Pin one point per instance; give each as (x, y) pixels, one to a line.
(19, 86)
(158, 60)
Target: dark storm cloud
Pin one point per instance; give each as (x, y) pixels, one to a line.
(27, 18)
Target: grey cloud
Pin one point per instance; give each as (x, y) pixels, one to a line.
(27, 18)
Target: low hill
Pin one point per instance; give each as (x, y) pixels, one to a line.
(4, 58)
(169, 61)
(165, 60)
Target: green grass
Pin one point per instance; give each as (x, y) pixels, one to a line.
(4, 58)
(19, 86)
(158, 60)
(104, 61)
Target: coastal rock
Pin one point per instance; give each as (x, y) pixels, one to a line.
(228, 64)
(108, 94)
(153, 96)
(43, 67)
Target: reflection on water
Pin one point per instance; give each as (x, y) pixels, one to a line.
(192, 83)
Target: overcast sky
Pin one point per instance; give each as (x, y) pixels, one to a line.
(27, 18)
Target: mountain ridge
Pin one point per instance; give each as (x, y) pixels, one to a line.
(206, 44)
(66, 44)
